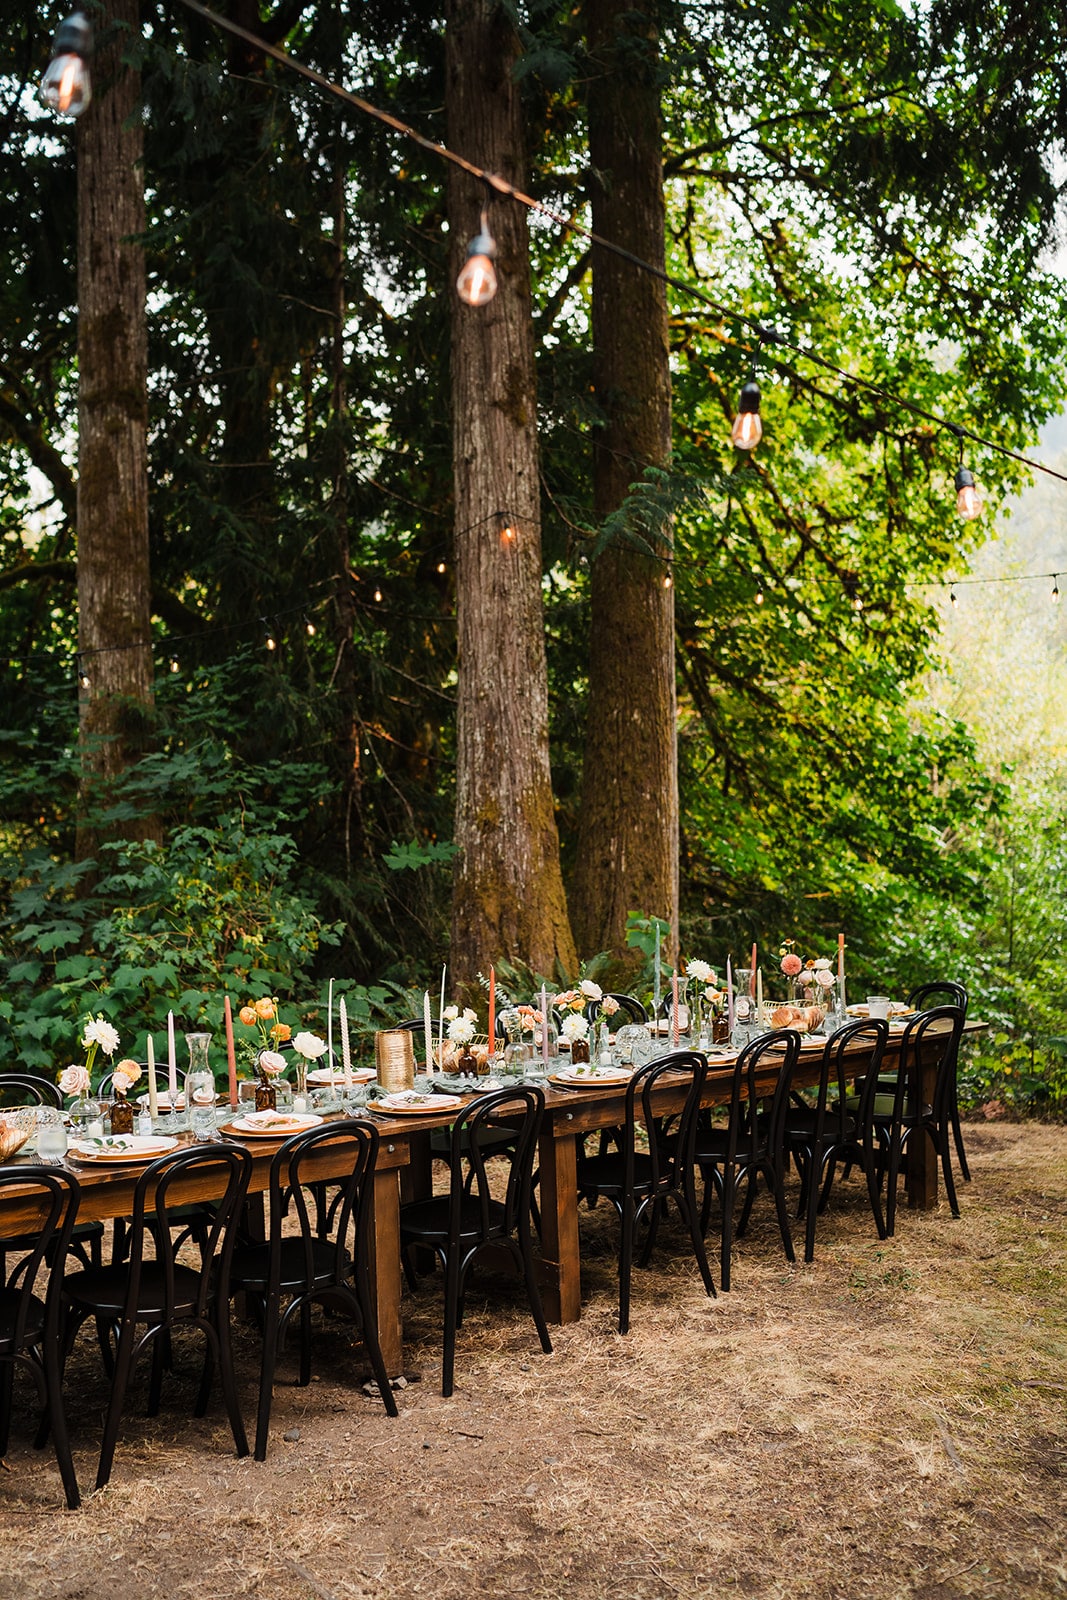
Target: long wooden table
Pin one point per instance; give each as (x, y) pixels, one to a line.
(404, 1170)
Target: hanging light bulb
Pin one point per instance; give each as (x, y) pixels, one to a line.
(759, 594)
(83, 676)
(441, 567)
(476, 284)
(952, 600)
(65, 87)
(269, 641)
(968, 500)
(378, 596)
(747, 430)
(668, 580)
(174, 664)
(508, 531)
(309, 627)
(1056, 589)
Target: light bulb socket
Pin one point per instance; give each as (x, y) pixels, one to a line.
(74, 37)
(964, 479)
(483, 244)
(749, 398)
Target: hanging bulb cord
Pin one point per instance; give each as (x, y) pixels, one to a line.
(499, 185)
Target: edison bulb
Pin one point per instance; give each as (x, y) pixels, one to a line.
(65, 87)
(747, 430)
(476, 284)
(968, 500)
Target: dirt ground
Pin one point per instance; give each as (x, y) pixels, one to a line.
(889, 1421)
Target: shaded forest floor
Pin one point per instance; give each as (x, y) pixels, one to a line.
(890, 1421)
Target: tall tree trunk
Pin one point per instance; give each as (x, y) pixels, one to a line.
(114, 586)
(508, 895)
(628, 829)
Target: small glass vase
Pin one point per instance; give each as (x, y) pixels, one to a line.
(120, 1116)
(266, 1095)
(580, 1052)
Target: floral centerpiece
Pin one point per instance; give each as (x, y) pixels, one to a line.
(811, 987)
(307, 1047)
(261, 1053)
(461, 1030)
(98, 1035)
(575, 1030)
(705, 995)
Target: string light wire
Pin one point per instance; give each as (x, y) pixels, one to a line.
(763, 335)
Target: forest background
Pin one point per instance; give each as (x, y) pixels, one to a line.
(880, 183)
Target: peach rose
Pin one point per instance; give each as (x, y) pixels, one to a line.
(247, 1015)
(265, 1008)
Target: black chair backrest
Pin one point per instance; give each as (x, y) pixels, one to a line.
(763, 1071)
(27, 1089)
(943, 992)
(290, 1178)
(840, 1063)
(676, 1155)
(627, 1003)
(50, 1208)
(163, 1188)
(516, 1114)
(932, 1034)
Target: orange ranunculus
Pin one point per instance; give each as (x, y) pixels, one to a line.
(265, 1008)
(247, 1015)
(281, 1031)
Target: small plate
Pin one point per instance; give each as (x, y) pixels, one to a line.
(272, 1124)
(410, 1104)
(123, 1147)
(599, 1078)
(323, 1075)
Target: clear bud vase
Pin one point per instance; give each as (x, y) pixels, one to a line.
(200, 1086)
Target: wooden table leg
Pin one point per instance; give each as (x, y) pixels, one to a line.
(562, 1287)
(383, 1267)
(921, 1155)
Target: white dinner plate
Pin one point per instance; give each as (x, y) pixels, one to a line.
(412, 1104)
(273, 1124)
(122, 1147)
(323, 1075)
(598, 1078)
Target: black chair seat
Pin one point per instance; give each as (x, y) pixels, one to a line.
(606, 1174)
(428, 1220)
(10, 1300)
(251, 1267)
(104, 1293)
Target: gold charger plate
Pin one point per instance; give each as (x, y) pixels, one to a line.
(281, 1127)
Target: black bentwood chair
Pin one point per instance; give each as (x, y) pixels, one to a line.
(29, 1325)
(27, 1089)
(930, 1044)
(752, 1144)
(460, 1225)
(840, 1127)
(639, 1184)
(302, 1267)
(141, 1300)
(941, 993)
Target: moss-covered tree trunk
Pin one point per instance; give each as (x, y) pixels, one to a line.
(628, 830)
(114, 587)
(508, 889)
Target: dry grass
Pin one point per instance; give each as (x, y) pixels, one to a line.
(891, 1421)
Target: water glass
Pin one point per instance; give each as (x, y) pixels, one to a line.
(878, 1006)
(51, 1143)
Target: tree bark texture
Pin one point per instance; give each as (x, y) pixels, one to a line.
(628, 828)
(114, 583)
(508, 897)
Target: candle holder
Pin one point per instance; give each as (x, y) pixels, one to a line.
(394, 1057)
